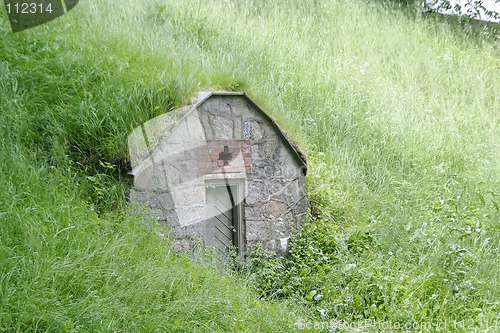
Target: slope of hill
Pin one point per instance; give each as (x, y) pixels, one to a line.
(399, 113)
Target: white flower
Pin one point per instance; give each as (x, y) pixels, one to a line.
(322, 312)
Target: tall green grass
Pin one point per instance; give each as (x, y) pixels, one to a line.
(399, 114)
(64, 269)
(74, 257)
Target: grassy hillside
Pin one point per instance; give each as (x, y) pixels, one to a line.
(399, 114)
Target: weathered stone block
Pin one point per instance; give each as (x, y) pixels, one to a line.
(272, 210)
(253, 130)
(222, 127)
(258, 230)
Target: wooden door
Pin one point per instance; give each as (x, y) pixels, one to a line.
(221, 231)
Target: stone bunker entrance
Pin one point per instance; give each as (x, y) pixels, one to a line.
(224, 228)
(220, 172)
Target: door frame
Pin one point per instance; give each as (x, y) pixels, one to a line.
(237, 186)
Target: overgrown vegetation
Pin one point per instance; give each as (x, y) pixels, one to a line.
(399, 114)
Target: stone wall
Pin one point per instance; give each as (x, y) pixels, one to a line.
(227, 136)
